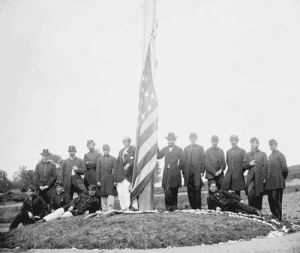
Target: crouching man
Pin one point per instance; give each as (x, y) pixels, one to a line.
(34, 208)
(59, 199)
(78, 206)
(228, 201)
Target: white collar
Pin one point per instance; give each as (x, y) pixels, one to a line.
(72, 159)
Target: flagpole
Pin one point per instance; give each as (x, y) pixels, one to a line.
(146, 197)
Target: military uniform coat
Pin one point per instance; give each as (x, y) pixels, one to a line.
(276, 171)
(122, 160)
(106, 166)
(90, 162)
(173, 166)
(85, 202)
(215, 161)
(37, 206)
(67, 173)
(257, 171)
(234, 178)
(194, 157)
(59, 200)
(45, 174)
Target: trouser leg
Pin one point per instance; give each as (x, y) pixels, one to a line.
(121, 188)
(127, 191)
(275, 202)
(194, 195)
(58, 213)
(238, 193)
(110, 202)
(168, 195)
(251, 193)
(172, 199)
(103, 203)
(21, 217)
(66, 214)
(247, 209)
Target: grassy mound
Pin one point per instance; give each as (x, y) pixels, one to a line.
(140, 231)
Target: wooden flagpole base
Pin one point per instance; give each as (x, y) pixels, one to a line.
(146, 197)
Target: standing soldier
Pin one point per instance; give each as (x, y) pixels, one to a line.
(171, 175)
(194, 161)
(256, 162)
(215, 163)
(90, 162)
(105, 178)
(234, 178)
(72, 169)
(276, 173)
(45, 176)
(123, 173)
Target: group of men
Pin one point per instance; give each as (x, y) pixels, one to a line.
(105, 177)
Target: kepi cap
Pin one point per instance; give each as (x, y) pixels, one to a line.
(193, 135)
(106, 147)
(215, 138)
(90, 142)
(234, 137)
(272, 141)
(254, 139)
(92, 187)
(31, 187)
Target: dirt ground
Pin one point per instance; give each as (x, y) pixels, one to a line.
(286, 244)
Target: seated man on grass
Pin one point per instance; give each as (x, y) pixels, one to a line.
(34, 208)
(78, 206)
(228, 201)
(59, 199)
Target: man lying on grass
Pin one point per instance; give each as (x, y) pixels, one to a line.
(78, 206)
(34, 208)
(228, 201)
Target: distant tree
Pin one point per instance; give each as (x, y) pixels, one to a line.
(157, 172)
(23, 178)
(5, 183)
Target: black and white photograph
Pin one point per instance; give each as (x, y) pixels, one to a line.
(150, 126)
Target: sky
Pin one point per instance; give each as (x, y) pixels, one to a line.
(70, 72)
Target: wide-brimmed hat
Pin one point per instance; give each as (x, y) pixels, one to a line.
(234, 137)
(171, 136)
(90, 142)
(45, 152)
(72, 149)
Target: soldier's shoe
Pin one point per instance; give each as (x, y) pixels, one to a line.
(131, 208)
(41, 221)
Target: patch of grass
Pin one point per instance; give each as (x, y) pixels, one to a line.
(8, 213)
(139, 231)
(294, 172)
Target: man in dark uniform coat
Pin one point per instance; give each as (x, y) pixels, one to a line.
(234, 178)
(34, 208)
(78, 206)
(276, 174)
(45, 176)
(59, 199)
(72, 169)
(171, 175)
(228, 201)
(123, 174)
(256, 162)
(194, 161)
(215, 162)
(105, 178)
(90, 162)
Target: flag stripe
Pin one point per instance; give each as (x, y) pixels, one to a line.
(141, 185)
(152, 128)
(146, 146)
(145, 171)
(147, 158)
(152, 117)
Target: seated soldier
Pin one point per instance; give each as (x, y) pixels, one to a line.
(59, 199)
(34, 208)
(228, 201)
(78, 206)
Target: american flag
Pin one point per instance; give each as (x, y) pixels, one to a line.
(146, 134)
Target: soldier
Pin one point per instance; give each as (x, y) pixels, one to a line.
(78, 206)
(276, 174)
(45, 176)
(72, 169)
(256, 162)
(171, 181)
(34, 208)
(90, 162)
(215, 163)
(59, 199)
(194, 161)
(234, 178)
(105, 178)
(123, 174)
(222, 200)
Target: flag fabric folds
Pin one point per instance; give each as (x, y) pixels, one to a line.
(146, 134)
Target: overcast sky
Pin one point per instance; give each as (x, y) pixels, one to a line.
(70, 72)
